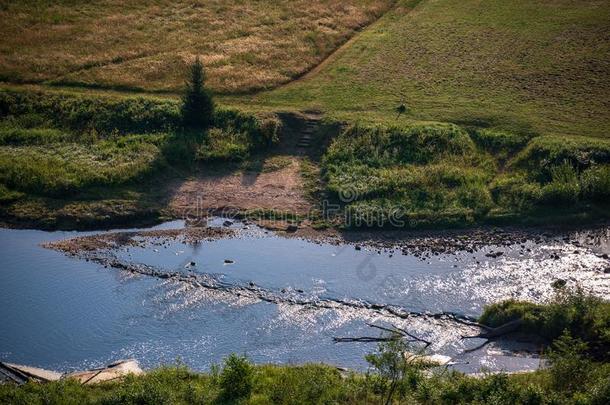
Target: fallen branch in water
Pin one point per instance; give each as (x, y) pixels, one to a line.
(396, 334)
(493, 333)
(365, 339)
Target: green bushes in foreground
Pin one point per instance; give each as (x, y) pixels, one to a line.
(80, 114)
(418, 176)
(575, 375)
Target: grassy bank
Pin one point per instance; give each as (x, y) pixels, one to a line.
(316, 384)
(67, 157)
(577, 374)
(148, 45)
(447, 175)
(78, 161)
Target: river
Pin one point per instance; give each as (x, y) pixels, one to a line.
(65, 313)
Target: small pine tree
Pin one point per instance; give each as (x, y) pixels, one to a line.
(198, 106)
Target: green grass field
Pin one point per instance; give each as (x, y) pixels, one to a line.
(537, 66)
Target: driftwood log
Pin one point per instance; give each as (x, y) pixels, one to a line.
(490, 334)
(396, 333)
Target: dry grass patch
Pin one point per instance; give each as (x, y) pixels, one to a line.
(142, 44)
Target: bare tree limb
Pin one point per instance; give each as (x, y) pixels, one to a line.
(366, 339)
(477, 347)
(492, 333)
(412, 336)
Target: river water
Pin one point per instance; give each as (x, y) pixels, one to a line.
(65, 313)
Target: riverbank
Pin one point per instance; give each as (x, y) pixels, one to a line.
(75, 161)
(570, 380)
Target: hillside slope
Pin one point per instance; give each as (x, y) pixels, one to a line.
(535, 66)
(147, 45)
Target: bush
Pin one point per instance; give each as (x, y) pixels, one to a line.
(595, 183)
(583, 316)
(503, 312)
(564, 188)
(397, 374)
(140, 391)
(224, 146)
(307, 384)
(428, 173)
(55, 143)
(64, 168)
(450, 194)
(570, 367)
(7, 195)
(236, 378)
(32, 136)
(262, 131)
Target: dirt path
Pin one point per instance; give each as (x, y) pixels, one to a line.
(274, 183)
(279, 190)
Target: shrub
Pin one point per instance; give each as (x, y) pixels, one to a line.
(140, 391)
(595, 183)
(236, 378)
(7, 195)
(500, 313)
(32, 136)
(262, 131)
(224, 146)
(564, 188)
(307, 384)
(397, 374)
(448, 193)
(583, 316)
(63, 168)
(475, 196)
(570, 367)
(599, 385)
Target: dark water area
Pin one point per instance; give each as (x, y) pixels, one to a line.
(64, 313)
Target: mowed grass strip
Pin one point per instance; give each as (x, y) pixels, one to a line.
(522, 66)
(148, 44)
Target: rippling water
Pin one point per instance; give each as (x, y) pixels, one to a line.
(64, 313)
